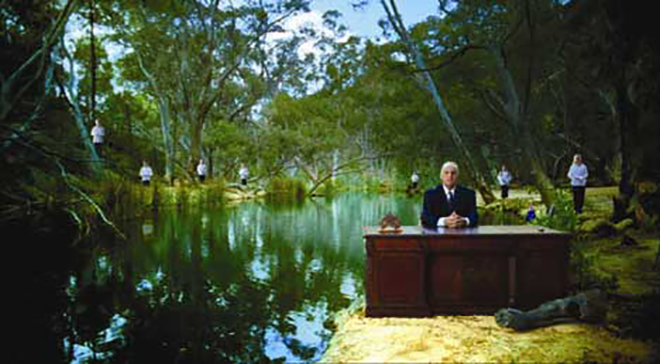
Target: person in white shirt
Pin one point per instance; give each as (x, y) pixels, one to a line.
(98, 133)
(578, 174)
(146, 173)
(414, 179)
(243, 174)
(504, 180)
(201, 170)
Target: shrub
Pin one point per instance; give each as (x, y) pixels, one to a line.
(561, 215)
(287, 187)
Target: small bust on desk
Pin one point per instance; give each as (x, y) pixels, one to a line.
(390, 224)
(449, 204)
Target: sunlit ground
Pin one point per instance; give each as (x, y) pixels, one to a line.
(470, 339)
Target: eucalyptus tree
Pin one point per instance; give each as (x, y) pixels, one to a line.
(513, 35)
(396, 22)
(341, 67)
(204, 59)
(86, 73)
(399, 121)
(312, 136)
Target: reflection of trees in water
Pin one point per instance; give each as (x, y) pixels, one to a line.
(212, 325)
(209, 285)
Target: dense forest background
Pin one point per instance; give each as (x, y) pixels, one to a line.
(524, 84)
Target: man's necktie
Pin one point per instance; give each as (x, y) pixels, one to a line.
(451, 200)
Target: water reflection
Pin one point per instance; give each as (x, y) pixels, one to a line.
(253, 282)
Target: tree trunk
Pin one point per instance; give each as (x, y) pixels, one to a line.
(517, 118)
(626, 121)
(196, 134)
(165, 120)
(163, 106)
(92, 62)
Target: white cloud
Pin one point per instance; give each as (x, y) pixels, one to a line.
(311, 20)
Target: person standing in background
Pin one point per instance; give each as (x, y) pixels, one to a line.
(504, 180)
(146, 173)
(531, 213)
(243, 173)
(98, 133)
(201, 170)
(414, 180)
(578, 174)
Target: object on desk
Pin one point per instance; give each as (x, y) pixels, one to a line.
(390, 224)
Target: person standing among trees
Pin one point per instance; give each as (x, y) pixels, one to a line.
(504, 180)
(243, 173)
(414, 180)
(578, 174)
(146, 173)
(201, 170)
(98, 133)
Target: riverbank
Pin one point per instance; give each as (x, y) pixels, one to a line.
(627, 335)
(471, 339)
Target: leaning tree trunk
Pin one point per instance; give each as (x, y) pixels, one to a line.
(516, 116)
(395, 20)
(73, 99)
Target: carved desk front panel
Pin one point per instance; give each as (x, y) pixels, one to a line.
(422, 272)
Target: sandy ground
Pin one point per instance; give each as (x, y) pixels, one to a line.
(475, 339)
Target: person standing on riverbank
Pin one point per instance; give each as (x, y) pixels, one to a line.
(243, 173)
(578, 174)
(449, 204)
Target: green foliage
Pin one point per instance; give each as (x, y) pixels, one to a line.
(562, 216)
(584, 271)
(287, 187)
(115, 193)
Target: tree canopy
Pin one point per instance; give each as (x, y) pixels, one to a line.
(487, 83)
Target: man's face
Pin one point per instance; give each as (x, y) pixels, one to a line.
(449, 177)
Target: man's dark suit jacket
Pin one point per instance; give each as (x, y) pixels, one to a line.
(437, 206)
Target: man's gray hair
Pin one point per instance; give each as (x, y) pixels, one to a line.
(449, 164)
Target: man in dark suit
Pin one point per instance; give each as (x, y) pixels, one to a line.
(449, 204)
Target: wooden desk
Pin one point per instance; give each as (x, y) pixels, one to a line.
(422, 272)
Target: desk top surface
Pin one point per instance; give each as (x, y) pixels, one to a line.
(485, 230)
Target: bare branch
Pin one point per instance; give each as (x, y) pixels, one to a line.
(452, 58)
